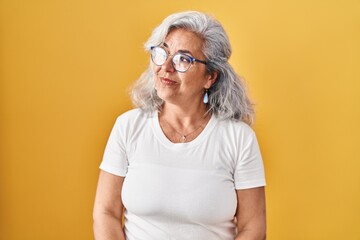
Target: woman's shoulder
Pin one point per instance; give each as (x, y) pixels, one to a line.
(134, 113)
(236, 126)
(132, 117)
(130, 113)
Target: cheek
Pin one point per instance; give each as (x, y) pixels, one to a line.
(156, 74)
(156, 79)
(156, 69)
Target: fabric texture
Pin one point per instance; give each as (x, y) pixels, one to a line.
(181, 190)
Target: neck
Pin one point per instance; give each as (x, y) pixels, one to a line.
(183, 124)
(183, 117)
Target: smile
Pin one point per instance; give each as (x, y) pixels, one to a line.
(167, 82)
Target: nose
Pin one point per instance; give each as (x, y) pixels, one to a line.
(168, 66)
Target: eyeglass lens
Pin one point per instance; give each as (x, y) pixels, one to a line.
(179, 61)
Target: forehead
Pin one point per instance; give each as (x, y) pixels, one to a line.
(180, 39)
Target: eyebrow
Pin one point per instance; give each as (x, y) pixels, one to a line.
(180, 51)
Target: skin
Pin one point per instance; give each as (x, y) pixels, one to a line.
(183, 92)
(251, 214)
(108, 208)
(183, 107)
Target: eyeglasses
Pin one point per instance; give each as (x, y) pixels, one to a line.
(180, 61)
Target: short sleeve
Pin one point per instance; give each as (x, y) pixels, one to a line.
(249, 170)
(115, 159)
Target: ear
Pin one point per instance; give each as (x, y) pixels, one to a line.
(212, 77)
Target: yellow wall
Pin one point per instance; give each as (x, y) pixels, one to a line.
(65, 69)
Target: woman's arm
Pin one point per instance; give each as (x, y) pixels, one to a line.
(108, 208)
(251, 214)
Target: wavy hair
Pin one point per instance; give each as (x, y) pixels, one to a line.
(227, 96)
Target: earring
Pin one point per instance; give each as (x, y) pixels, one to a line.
(206, 97)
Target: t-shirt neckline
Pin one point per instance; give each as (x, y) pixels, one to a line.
(199, 139)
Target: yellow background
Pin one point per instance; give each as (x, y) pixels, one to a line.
(65, 70)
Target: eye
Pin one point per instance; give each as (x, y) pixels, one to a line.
(185, 59)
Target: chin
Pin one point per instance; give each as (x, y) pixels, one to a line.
(165, 92)
(165, 97)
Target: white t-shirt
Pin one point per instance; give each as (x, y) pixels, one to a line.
(181, 190)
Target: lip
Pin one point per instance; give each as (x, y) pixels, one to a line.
(167, 81)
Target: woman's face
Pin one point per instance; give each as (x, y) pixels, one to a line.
(187, 87)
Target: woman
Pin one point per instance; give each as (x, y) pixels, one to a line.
(185, 164)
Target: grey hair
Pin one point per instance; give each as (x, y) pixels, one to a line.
(227, 96)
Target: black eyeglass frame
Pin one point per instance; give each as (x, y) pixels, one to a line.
(192, 59)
